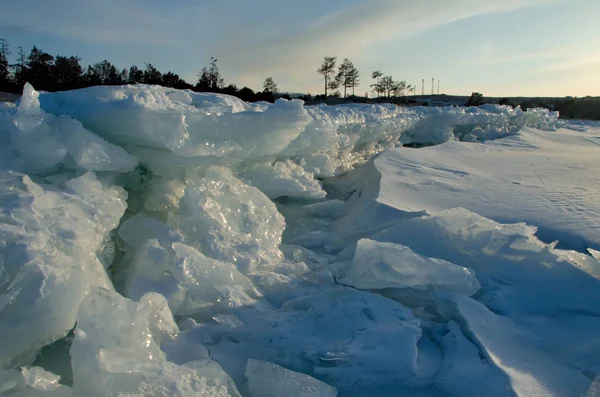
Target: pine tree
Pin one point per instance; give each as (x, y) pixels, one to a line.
(387, 85)
(4, 67)
(136, 75)
(327, 69)
(353, 79)
(39, 69)
(377, 87)
(68, 73)
(152, 75)
(210, 78)
(344, 76)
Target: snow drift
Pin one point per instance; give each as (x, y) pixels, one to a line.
(166, 242)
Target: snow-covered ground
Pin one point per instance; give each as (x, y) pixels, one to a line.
(157, 242)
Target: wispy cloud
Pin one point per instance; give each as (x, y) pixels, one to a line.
(251, 39)
(348, 31)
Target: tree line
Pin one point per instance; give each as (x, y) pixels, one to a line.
(59, 73)
(347, 76)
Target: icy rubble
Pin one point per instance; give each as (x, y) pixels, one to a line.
(54, 243)
(384, 265)
(183, 238)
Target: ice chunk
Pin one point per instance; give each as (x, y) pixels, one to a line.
(138, 229)
(112, 329)
(347, 336)
(40, 379)
(43, 141)
(439, 125)
(507, 258)
(202, 378)
(32, 382)
(384, 265)
(210, 283)
(149, 271)
(29, 114)
(213, 125)
(39, 145)
(232, 221)
(284, 178)
(190, 281)
(49, 242)
(116, 352)
(91, 152)
(270, 380)
(520, 354)
(163, 194)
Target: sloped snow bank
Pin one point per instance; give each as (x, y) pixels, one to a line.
(141, 219)
(546, 180)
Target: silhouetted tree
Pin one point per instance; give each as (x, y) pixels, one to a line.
(125, 76)
(136, 75)
(376, 87)
(91, 77)
(343, 77)
(171, 79)
(353, 79)
(475, 99)
(504, 101)
(20, 70)
(327, 69)
(400, 88)
(39, 69)
(46, 72)
(68, 73)
(4, 67)
(152, 75)
(231, 89)
(270, 86)
(246, 94)
(210, 78)
(104, 73)
(387, 85)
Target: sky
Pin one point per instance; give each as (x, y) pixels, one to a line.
(496, 47)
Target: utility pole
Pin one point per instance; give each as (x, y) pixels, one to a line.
(432, 81)
(422, 86)
(438, 87)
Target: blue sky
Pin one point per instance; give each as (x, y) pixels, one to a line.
(499, 48)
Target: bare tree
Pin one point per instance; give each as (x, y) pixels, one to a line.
(327, 69)
(270, 86)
